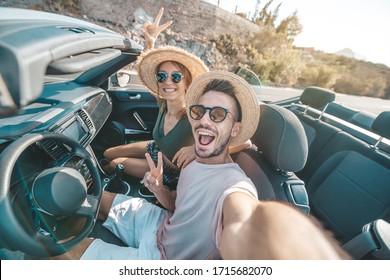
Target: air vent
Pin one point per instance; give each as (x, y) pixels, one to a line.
(77, 29)
(84, 116)
(54, 149)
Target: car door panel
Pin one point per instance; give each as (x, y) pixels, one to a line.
(132, 118)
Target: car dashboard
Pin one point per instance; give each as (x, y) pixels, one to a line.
(77, 113)
(53, 74)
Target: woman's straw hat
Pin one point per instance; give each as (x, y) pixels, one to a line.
(149, 60)
(250, 110)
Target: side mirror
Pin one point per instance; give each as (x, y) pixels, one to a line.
(120, 79)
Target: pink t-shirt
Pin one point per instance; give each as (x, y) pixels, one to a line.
(193, 231)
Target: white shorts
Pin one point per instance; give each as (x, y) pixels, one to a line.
(135, 221)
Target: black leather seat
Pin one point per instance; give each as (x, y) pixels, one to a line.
(279, 149)
(317, 97)
(348, 181)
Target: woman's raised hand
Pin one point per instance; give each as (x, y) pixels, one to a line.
(152, 30)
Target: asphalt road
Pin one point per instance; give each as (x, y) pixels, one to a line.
(361, 103)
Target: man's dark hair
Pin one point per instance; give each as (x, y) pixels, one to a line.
(225, 87)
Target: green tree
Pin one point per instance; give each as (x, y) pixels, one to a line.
(279, 66)
(277, 61)
(267, 17)
(290, 27)
(317, 74)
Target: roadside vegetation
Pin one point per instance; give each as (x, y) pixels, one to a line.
(271, 53)
(272, 56)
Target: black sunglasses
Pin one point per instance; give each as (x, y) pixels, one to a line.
(161, 77)
(217, 114)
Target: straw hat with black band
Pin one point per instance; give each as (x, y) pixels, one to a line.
(149, 60)
(250, 110)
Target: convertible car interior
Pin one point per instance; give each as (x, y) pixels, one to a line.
(61, 107)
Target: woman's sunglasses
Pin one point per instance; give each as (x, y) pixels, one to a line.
(217, 114)
(161, 77)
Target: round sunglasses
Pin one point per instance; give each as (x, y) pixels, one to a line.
(216, 114)
(161, 77)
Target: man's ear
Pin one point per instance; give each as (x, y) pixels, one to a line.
(236, 129)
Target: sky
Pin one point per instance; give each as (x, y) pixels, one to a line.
(332, 25)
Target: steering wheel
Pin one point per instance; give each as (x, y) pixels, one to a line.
(57, 192)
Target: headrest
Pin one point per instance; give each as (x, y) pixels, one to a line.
(317, 97)
(281, 138)
(381, 124)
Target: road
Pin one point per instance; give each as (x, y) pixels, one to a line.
(361, 103)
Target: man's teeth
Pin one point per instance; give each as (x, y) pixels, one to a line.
(204, 133)
(205, 138)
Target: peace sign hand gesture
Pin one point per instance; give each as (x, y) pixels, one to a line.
(153, 179)
(152, 30)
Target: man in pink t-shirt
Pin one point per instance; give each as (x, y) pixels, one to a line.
(217, 213)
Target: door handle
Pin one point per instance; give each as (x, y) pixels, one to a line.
(135, 97)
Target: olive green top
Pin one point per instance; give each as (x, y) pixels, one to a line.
(179, 136)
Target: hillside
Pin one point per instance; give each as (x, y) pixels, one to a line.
(225, 41)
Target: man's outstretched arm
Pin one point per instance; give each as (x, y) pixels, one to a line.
(255, 229)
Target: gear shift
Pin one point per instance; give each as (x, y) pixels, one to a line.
(116, 184)
(119, 169)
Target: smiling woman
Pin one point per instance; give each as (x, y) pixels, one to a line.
(166, 72)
